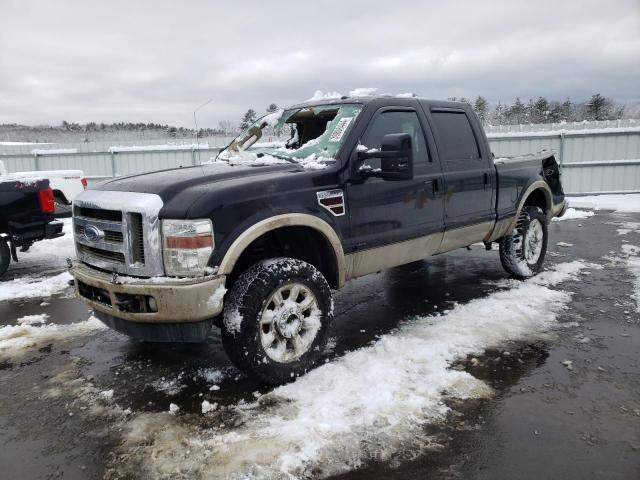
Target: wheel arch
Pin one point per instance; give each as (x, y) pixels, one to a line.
(59, 194)
(537, 193)
(285, 224)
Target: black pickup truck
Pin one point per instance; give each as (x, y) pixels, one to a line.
(26, 216)
(355, 186)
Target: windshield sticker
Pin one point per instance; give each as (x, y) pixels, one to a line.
(341, 127)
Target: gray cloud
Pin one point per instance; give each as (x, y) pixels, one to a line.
(157, 60)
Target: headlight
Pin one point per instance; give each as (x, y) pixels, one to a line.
(187, 246)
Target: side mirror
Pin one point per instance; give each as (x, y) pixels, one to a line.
(396, 157)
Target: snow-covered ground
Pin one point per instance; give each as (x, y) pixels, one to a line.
(15, 339)
(620, 203)
(372, 403)
(573, 214)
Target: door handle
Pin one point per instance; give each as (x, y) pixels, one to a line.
(432, 187)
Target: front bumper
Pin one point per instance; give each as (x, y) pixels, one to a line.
(128, 298)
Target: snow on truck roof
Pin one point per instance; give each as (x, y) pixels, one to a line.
(355, 97)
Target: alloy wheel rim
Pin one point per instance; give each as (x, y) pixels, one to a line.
(289, 322)
(533, 242)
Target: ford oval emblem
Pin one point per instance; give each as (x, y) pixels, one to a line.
(93, 233)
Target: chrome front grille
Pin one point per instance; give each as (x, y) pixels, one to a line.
(110, 237)
(119, 231)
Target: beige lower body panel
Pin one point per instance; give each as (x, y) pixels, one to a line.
(502, 228)
(375, 259)
(465, 236)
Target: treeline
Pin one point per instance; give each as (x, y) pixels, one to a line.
(170, 130)
(543, 110)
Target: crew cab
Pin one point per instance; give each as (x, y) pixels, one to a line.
(255, 241)
(26, 215)
(65, 184)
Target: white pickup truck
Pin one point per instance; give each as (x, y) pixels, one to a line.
(66, 184)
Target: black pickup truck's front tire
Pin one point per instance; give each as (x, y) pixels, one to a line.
(5, 256)
(276, 319)
(522, 253)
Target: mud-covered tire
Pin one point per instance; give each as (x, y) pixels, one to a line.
(522, 253)
(5, 256)
(258, 308)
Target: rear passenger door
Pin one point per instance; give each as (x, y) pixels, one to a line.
(468, 177)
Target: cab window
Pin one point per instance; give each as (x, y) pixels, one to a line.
(396, 122)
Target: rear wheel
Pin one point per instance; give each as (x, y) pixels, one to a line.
(522, 253)
(5, 256)
(276, 319)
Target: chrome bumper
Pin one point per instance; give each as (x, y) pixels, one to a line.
(128, 298)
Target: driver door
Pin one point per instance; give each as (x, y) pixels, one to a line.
(381, 211)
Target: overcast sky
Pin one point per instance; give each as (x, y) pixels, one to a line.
(156, 61)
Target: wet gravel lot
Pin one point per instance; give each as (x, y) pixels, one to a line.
(94, 404)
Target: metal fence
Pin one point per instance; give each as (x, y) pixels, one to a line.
(595, 157)
(596, 160)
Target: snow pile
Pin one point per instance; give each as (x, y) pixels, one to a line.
(628, 227)
(573, 214)
(208, 407)
(34, 287)
(211, 375)
(216, 298)
(14, 339)
(620, 203)
(33, 319)
(272, 118)
(362, 92)
(318, 95)
(25, 181)
(631, 256)
(372, 403)
(171, 386)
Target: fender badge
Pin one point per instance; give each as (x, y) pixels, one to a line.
(332, 200)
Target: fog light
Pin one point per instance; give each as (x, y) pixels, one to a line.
(153, 305)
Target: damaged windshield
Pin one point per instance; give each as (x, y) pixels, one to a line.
(309, 136)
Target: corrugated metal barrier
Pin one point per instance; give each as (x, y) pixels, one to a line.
(595, 157)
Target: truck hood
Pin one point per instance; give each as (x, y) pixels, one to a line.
(179, 188)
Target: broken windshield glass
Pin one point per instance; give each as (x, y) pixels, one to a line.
(309, 136)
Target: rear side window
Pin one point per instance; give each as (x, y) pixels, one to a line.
(457, 141)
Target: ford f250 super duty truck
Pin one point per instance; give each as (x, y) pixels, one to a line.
(255, 241)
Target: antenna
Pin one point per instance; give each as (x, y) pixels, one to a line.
(195, 121)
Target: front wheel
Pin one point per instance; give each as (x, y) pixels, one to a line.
(5, 256)
(522, 253)
(276, 319)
